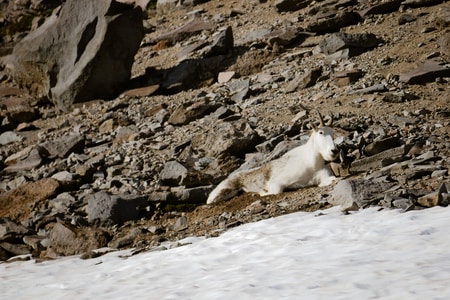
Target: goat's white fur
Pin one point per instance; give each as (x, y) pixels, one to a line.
(300, 167)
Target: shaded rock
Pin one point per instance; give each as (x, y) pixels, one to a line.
(376, 161)
(191, 195)
(63, 146)
(439, 197)
(92, 62)
(382, 8)
(291, 5)
(19, 109)
(19, 203)
(419, 3)
(425, 72)
(191, 73)
(344, 78)
(406, 18)
(222, 44)
(357, 193)
(10, 230)
(334, 22)
(184, 31)
(239, 89)
(381, 145)
(357, 43)
(68, 240)
(188, 112)
(180, 224)
(398, 97)
(9, 137)
(173, 173)
(106, 208)
(442, 19)
(444, 43)
(15, 249)
(27, 159)
(305, 80)
(230, 138)
(285, 36)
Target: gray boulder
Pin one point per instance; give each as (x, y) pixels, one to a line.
(84, 51)
(106, 208)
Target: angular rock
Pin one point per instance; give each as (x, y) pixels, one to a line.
(88, 49)
(239, 89)
(439, 197)
(344, 78)
(376, 88)
(191, 195)
(382, 8)
(376, 161)
(173, 173)
(27, 159)
(291, 5)
(189, 112)
(184, 31)
(334, 22)
(222, 44)
(305, 80)
(19, 109)
(357, 193)
(381, 145)
(425, 72)
(9, 137)
(225, 76)
(285, 36)
(230, 138)
(63, 146)
(444, 43)
(15, 249)
(191, 73)
(106, 208)
(357, 43)
(398, 97)
(19, 203)
(67, 240)
(10, 230)
(420, 3)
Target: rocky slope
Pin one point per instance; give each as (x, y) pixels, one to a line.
(216, 85)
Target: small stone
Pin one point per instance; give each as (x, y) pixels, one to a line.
(225, 76)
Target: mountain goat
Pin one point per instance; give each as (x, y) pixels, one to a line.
(300, 167)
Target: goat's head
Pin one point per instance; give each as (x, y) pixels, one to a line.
(323, 139)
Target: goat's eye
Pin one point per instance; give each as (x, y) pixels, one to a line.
(320, 132)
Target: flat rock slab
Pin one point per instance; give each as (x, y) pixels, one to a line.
(353, 194)
(428, 71)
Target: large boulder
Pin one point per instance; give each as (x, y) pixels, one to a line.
(84, 51)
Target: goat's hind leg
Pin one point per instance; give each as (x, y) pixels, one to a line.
(272, 188)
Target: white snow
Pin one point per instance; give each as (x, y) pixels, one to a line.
(369, 254)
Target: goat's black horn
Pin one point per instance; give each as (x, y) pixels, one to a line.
(320, 118)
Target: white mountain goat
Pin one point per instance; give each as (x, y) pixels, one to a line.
(300, 167)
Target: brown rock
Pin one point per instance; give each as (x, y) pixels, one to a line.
(17, 204)
(68, 240)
